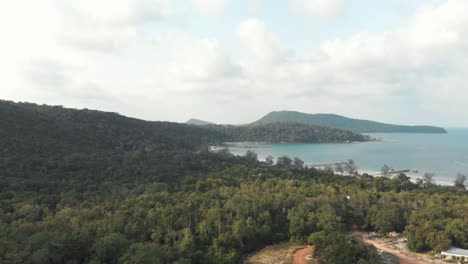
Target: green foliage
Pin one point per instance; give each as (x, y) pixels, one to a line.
(457, 230)
(284, 161)
(298, 163)
(299, 223)
(329, 223)
(287, 133)
(145, 253)
(460, 181)
(110, 247)
(251, 157)
(93, 187)
(388, 217)
(335, 247)
(427, 229)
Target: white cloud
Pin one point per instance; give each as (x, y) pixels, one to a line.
(193, 65)
(432, 43)
(412, 61)
(210, 7)
(119, 12)
(260, 45)
(255, 4)
(325, 8)
(114, 59)
(109, 25)
(420, 67)
(64, 54)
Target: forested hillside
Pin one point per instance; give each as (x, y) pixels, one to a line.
(105, 131)
(94, 187)
(288, 132)
(341, 122)
(42, 146)
(58, 128)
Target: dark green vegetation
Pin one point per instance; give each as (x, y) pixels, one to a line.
(336, 247)
(93, 187)
(282, 132)
(288, 132)
(341, 122)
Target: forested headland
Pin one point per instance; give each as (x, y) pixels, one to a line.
(82, 186)
(287, 133)
(342, 122)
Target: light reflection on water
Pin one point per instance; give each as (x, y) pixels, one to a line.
(443, 154)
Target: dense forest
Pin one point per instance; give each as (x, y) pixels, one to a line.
(341, 122)
(81, 186)
(287, 132)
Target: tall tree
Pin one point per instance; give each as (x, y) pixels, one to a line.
(428, 179)
(350, 167)
(284, 161)
(298, 163)
(339, 168)
(385, 170)
(460, 181)
(251, 157)
(269, 161)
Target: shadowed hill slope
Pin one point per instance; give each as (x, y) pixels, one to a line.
(46, 148)
(41, 128)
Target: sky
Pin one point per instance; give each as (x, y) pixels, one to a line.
(233, 61)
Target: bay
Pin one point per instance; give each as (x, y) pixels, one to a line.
(446, 155)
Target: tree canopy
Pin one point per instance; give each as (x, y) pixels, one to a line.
(92, 187)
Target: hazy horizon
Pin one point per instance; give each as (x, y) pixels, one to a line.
(233, 62)
(247, 121)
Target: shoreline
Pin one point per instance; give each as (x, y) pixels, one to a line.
(439, 180)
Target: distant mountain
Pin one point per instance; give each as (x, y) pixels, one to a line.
(198, 122)
(341, 122)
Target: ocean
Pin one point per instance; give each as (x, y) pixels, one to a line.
(446, 155)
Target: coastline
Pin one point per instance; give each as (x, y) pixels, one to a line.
(444, 155)
(375, 172)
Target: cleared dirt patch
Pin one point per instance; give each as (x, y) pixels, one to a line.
(405, 256)
(300, 257)
(277, 254)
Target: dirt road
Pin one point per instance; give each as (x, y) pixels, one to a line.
(300, 257)
(405, 257)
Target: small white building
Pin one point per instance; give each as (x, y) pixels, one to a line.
(455, 253)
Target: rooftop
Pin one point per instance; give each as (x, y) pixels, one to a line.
(453, 251)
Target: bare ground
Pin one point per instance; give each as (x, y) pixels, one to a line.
(405, 256)
(300, 257)
(277, 254)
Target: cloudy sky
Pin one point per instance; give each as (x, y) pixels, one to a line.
(232, 61)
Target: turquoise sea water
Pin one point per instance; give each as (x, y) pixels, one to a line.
(442, 154)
